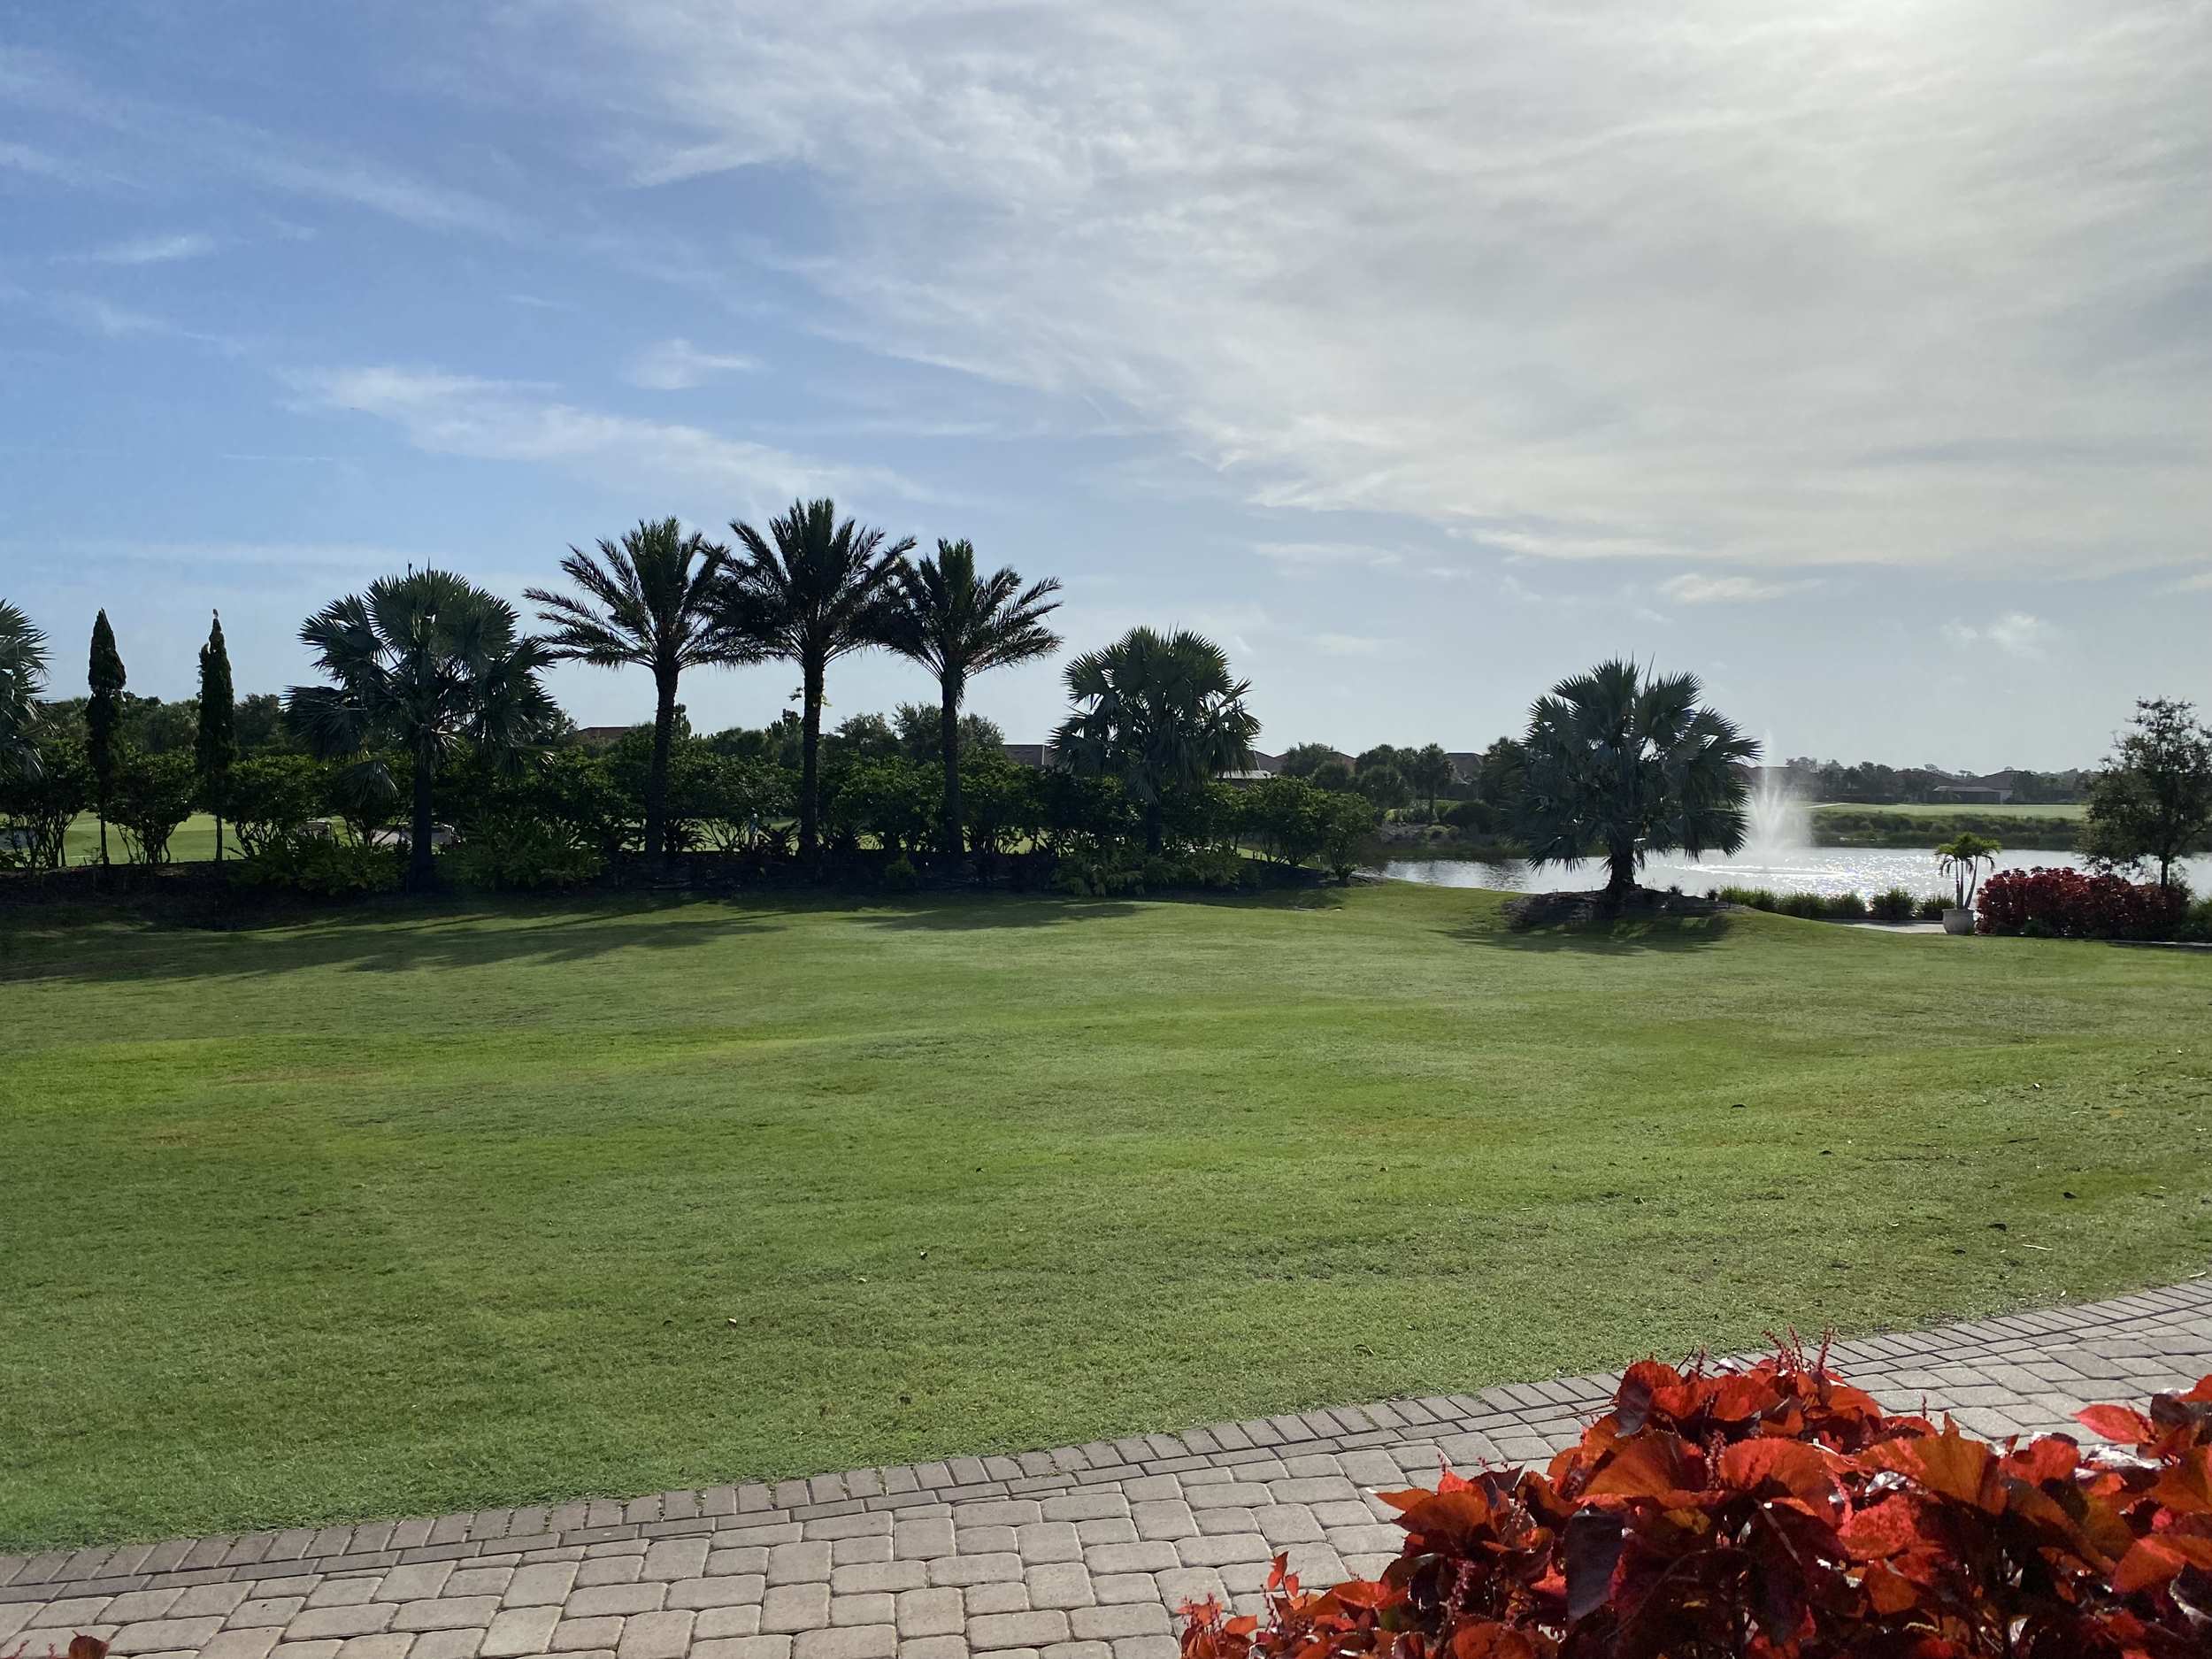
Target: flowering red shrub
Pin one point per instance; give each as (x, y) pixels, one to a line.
(2074, 905)
(1778, 1513)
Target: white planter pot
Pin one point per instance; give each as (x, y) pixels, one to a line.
(1957, 921)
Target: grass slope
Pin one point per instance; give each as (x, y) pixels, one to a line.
(399, 1214)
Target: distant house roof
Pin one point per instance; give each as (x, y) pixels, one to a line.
(1466, 764)
(1988, 794)
(599, 736)
(1037, 755)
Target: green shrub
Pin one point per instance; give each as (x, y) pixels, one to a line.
(1217, 868)
(522, 856)
(1894, 904)
(1931, 907)
(899, 876)
(270, 798)
(1846, 907)
(1750, 898)
(318, 869)
(1001, 802)
(1347, 822)
(153, 794)
(1157, 874)
(1072, 883)
(896, 801)
(38, 812)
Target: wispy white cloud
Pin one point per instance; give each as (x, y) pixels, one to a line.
(1311, 556)
(502, 421)
(1346, 644)
(150, 250)
(1717, 286)
(2015, 633)
(176, 142)
(107, 319)
(673, 366)
(1695, 589)
(40, 164)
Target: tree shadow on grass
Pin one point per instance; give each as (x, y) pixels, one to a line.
(376, 940)
(1626, 936)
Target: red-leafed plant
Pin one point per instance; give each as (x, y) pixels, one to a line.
(1778, 1513)
(2070, 904)
(80, 1647)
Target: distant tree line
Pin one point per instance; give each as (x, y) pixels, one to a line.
(430, 712)
(1870, 783)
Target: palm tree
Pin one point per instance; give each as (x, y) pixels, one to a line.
(810, 591)
(22, 677)
(1427, 770)
(957, 624)
(1161, 713)
(423, 663)
(1624, 763)
(648, 603)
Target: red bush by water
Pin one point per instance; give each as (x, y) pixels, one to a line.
(2074, 905)
(1778, 1513)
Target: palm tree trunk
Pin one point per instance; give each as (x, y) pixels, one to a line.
(810, 756)
(657, 778)
(1623, 880)
(218, 838)
(420, 873)
(1154, 835)
(949, 745)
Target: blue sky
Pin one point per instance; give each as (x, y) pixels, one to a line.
(1857, 356)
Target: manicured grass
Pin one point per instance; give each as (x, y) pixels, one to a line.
(409, 1212)
(194, 841)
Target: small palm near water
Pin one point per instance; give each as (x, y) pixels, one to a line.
(1966, 860)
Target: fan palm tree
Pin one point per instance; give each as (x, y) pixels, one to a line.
(811, 590)
(1622, 762)
(1429, 770)
(422, 663)
(22, 677)
(957, 624)
(647, 603)
(1161, 713)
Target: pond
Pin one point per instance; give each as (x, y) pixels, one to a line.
(1824, 870)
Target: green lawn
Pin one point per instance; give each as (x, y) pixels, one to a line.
(399, 1214)
(194, 841)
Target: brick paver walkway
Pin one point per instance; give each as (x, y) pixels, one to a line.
(1078, 1553)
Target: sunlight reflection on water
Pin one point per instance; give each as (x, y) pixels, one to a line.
(1827, 870)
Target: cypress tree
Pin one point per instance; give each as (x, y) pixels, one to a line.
(102, 716)
(216, 744)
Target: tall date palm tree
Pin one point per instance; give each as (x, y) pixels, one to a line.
(1622, 762)
(647, 601)
(959, 625)
(811, 590)
(1161, 713)
(422, 663)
